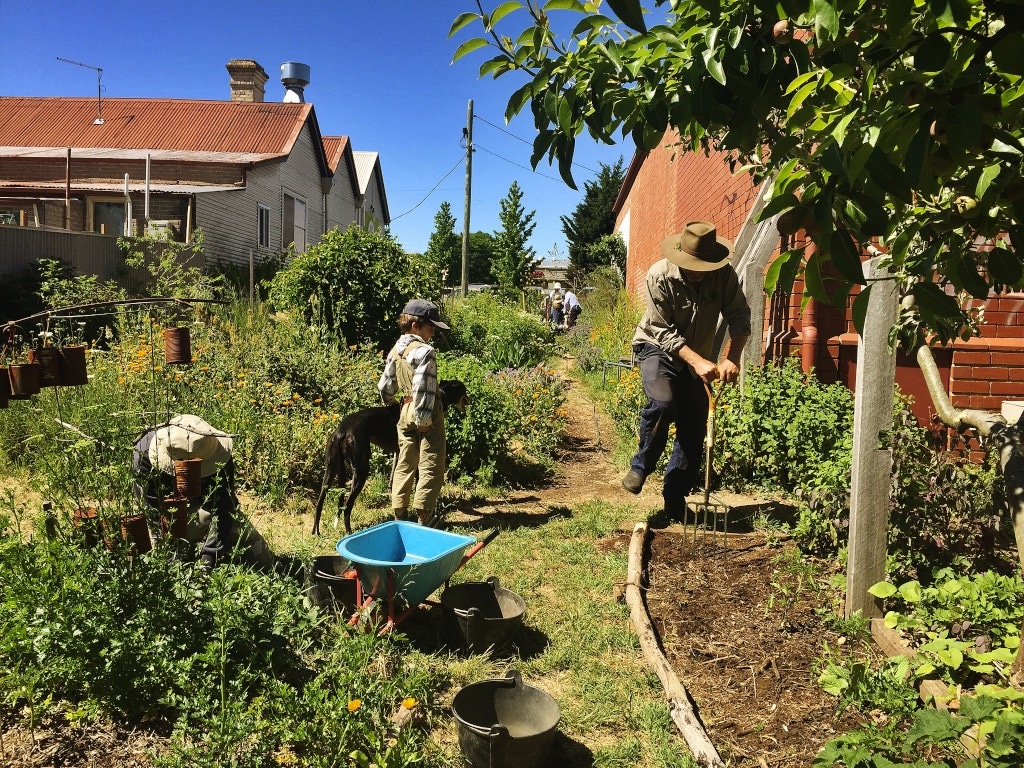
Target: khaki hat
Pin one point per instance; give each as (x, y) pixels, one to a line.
(189, 437)
(697, 248)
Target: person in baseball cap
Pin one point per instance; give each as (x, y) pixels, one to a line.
(426, 310)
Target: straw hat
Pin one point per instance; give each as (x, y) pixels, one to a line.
(698, 248)
(189, 437)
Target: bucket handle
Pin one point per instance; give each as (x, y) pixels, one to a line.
(472, 612)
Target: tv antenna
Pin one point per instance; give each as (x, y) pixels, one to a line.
(99, 87)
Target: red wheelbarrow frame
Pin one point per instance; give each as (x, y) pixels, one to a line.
(368, 604)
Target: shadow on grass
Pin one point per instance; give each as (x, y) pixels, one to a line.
(568, 753)
(425, 630)
(506, 520)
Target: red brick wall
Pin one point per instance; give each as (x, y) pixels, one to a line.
(672, 189)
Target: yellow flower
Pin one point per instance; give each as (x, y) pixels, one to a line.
(318, 400)
(354, 705)
(296, 396)
(409, 703)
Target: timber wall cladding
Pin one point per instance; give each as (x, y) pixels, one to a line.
(673, 188)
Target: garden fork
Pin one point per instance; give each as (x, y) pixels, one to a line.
(706, 508)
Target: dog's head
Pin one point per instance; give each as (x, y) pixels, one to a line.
(453, 394)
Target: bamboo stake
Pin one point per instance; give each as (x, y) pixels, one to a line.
(680, 705)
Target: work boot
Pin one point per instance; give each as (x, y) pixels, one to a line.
(423, 516)
(633, 482)
(400, 514)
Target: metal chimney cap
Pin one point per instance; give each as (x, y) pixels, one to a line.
(294, 73)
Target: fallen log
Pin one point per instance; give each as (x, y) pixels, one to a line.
(681, 707)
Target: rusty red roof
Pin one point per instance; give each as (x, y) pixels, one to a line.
(267, 129)
(334, 148)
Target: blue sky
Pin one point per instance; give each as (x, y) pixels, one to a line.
(380, 74)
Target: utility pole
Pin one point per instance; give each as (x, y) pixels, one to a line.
(468, 134)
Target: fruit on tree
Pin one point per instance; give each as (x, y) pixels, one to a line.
(782, 32)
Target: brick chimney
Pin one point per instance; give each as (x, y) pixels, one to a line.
(247, 80)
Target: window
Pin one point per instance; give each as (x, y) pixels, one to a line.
(294, 223)
(108, 217)
(263, 226)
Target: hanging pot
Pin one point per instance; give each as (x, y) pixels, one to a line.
(177, 346)
(24, 380)
(174, 520)
(188, 477)
(87, 523)
(5, 387)
(49, 362)
(73, 371)
(135, 532)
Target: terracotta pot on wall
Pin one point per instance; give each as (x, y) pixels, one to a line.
(177, 346)
(174, 520)
(24, 380)
(48, 359)
(73, 371)
(87, 523)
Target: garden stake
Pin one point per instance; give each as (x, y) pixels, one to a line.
(706, 508)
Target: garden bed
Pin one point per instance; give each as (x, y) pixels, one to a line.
(744, 633)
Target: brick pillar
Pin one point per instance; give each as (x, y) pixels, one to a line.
(247, 80)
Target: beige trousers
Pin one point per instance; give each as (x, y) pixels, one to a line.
(419, 454)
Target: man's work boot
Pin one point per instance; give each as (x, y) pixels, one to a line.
(400, 514)
(423, 516)
(633, 482)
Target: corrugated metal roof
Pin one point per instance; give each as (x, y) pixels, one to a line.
(334, 148)
(365, 163)
(263, 129)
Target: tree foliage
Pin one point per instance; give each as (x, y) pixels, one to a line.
(481, 257)
(350, 286)
(444, 248)
(592, 219)
(897, 123)
(513, 258)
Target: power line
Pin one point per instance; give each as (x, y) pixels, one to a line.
(529, 143)
(517, 165)
(421, 202)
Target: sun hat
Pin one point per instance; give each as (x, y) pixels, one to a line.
(558, 286)
(426, 310)
(698, 248)
(189, 437)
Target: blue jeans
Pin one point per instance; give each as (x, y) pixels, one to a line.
(673, 396)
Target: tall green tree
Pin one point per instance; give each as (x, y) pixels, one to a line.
(481, 256)
(513, 258)
(592, 219)
(444, 249)
(895, 122)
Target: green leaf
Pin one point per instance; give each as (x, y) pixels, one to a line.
(774, 273)
(1005, 267)
(468, 47)
(564, 5)
(517, 101)
(951, 657)
(933, 54)
(825, 19)
(715, 68)
(462, 21)
(988, 175)
(846, 257)
(631, 13)
(911, 592)
(882, 589)
(589, 23)
(813, 283)
(934, 726)
(965, 276)
(897, 15)
(504, 10)
(934, 302)
(860, 311)
(833, 680)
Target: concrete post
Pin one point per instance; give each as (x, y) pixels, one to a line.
(872, 465)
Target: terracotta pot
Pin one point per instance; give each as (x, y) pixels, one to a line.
(73, 371)
(5, 387)
(135, 531)
(49, 361)
(87, 523)
(177, 346)
(188, 477)
(24, 378)
(174, 520)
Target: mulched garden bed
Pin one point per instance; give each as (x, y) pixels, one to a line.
(743, 631)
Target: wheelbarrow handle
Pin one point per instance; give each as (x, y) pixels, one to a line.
(479, 545)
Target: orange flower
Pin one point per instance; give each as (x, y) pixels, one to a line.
(409, 703)
(354, 705)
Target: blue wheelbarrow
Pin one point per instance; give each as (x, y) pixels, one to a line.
(400, 564)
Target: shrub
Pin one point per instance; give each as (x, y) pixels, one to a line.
(498, 333)
(350, 287)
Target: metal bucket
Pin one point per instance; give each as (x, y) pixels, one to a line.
(505, 723)
(332, 582)
(481, 615)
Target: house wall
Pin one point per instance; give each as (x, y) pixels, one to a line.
(373, 203)
(341, 202)
(229, 219)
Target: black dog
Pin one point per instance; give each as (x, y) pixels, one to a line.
(349, 446)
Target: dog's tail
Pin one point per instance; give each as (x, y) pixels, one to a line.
(335, 474)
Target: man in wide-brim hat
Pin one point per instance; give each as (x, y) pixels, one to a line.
(686, 293)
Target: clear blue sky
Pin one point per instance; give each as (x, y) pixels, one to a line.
(380, 74)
